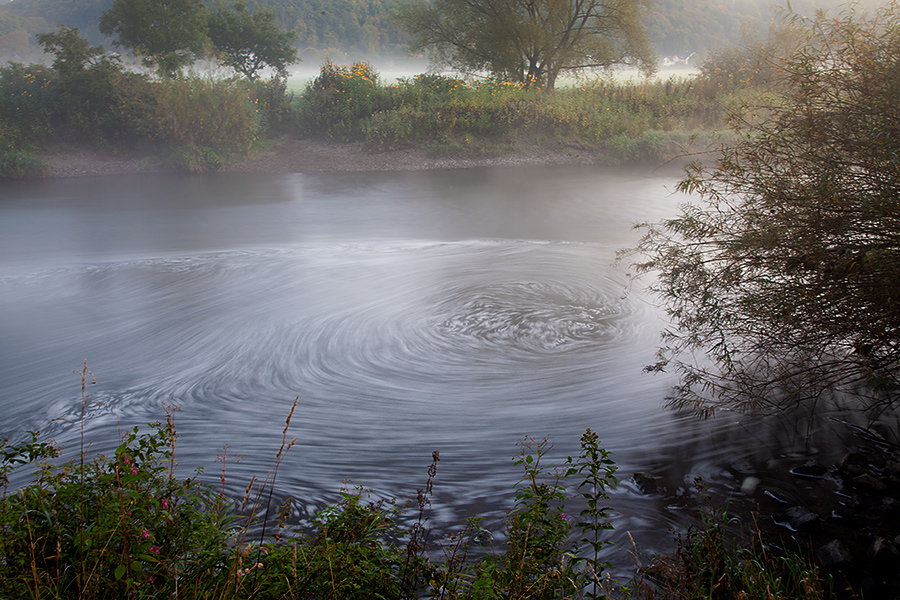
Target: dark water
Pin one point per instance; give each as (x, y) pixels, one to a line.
(411, 312)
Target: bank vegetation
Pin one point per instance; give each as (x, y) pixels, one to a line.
(202, 120)
(128, 526)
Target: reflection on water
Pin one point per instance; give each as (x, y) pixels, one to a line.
(411, 312)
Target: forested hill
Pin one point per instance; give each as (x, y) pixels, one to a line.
(362, 28)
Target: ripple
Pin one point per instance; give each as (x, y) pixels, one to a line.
(538, 316)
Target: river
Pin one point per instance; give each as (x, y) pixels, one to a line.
(457, 311)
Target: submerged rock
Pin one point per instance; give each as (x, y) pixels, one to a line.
(833, 554)
(645, 482)
(810, 470)
(799, 517)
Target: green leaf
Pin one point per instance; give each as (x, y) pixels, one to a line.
(120, 572)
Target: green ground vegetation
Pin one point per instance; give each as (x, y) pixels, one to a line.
(87, 97)
(198, 122)
(627, 121)
(126, 526)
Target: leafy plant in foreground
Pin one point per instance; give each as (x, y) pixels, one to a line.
(597, 472)
(119, 525)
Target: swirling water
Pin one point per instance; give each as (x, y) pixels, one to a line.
(410, 312)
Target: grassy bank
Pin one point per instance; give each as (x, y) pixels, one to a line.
(624, 122)
(124, 526)
(192, 123)
(200, 123)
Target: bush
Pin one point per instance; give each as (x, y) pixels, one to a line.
(124, 526)
(116, 526)
(29, 101)
(206, 122)
(629, 121)
(273, 103)
(17, 164)
(337, 101)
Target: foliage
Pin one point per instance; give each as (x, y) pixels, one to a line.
(340, 98)
(73, 54)
(538, 554)
(166, 34)
(89, 83)
(207, 121)
(755, 63)
(28, 101)
(17, 164)
(13, 455)
(540, 559)
(787, 274)
(713, 563)
(125, 526)
(529, 42)
(249, 42)
(272, 100)
(110, 527)
(643, 122)
(597, 473)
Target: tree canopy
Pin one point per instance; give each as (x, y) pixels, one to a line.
(529, 41)
(786, 272)
(167, 34)
(249, 42)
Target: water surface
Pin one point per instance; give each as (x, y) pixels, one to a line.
(457, 311)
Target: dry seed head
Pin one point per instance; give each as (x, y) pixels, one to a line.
(247, 492)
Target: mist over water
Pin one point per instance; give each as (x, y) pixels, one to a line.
(411, 312)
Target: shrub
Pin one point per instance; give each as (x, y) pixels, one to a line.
(336, 102)
(17, 164)
(28, 100)
(205, 121)
(115, 526)
(273, 103)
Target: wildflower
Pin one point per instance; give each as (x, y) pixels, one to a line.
(146, 534)
(165, 504)
(154, 549)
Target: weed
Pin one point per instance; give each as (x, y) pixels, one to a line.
(124, 526)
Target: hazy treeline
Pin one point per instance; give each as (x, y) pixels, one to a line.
(362, 27)
(352, 26)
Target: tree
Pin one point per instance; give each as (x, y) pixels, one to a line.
(529, 41)
(74, 54)
(250, 42)
(786, 274)
(90, 85)
(167, 34)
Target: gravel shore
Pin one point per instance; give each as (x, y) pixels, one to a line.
(287, 155)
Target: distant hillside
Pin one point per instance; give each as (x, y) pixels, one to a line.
(361, 27)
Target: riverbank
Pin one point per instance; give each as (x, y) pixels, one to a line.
(290, 155)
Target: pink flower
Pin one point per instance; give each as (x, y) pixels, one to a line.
(146, 534)
(165, 504)
(134, 470)
(154, 549)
